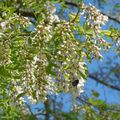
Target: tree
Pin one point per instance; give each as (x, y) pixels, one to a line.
(44, 51)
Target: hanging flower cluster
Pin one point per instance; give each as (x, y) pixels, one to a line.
(95, 18)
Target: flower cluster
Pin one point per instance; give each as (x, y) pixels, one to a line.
(4, 52)
(68, 75)
(95, 18)
(25, 21)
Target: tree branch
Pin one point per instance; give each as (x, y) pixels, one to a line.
(111, 17)
(47, 109)
(104, 83)
(26, 13)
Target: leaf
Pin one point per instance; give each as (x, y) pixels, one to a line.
(49, 68)
(94, 93)
(66, 67)
(117, 5)
(106, 32)
(20, 95)
(29, 41)
(4, 72)
(98, 103)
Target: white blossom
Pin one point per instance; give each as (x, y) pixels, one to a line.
(3, 25)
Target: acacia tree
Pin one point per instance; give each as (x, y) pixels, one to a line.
(42, 52)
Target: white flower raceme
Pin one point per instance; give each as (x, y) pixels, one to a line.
(96, 19)
(6, 23)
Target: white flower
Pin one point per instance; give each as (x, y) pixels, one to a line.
(3, 25)
(31, 99)
(105, 18)
(36, 58)
(51, 8)
(59, 52)
(56, 18)
(48, 28)
(19, 89)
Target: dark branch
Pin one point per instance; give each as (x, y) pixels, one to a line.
(47, 109)
(72, 4)
(104, 83)
(111, 17)
(76, 16)
(26, 13)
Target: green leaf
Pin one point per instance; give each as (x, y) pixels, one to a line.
(66, 67)
(29, 41)
(20, 95)
(117, 5)
(98, 103)
(106, 32)
(4, 72)
(94, 93)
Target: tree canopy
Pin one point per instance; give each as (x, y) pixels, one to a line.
(44, 48)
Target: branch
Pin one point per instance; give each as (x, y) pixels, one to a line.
(104, 83)
(111, 17)
(37, 114)
(26, 13)
(76, 16)
(54, 110)
(47, 109)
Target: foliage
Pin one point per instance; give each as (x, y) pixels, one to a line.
(40, 53)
